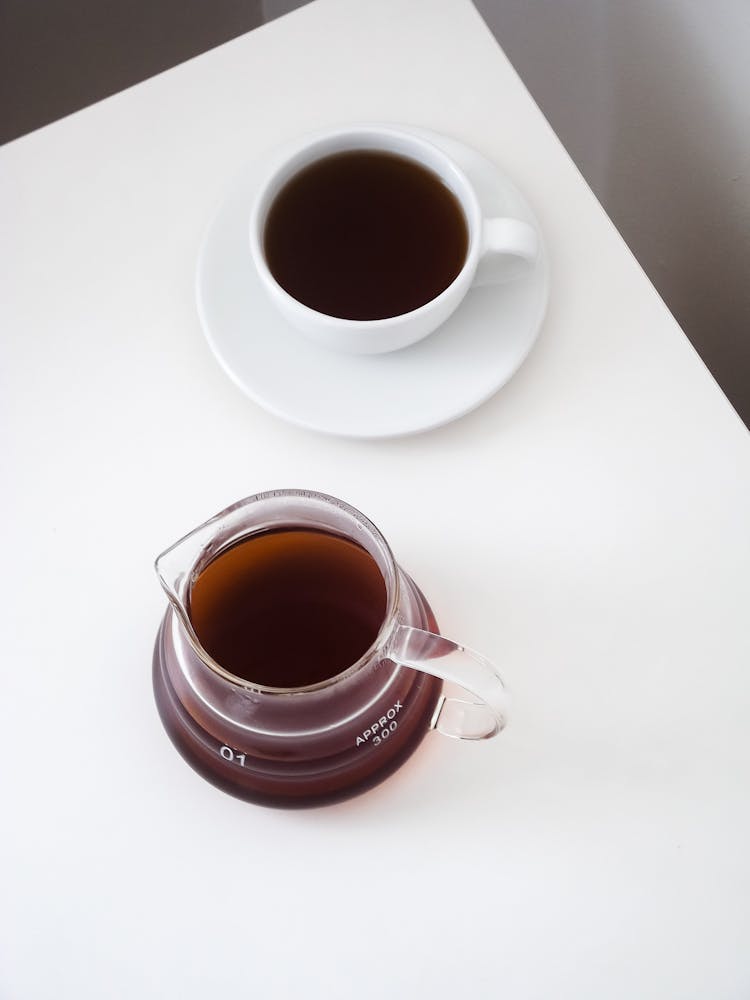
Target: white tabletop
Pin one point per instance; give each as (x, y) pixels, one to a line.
(588, 528)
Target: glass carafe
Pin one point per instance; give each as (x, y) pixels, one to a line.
(311, 745)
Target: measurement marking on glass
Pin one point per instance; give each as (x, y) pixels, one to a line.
(232, 755)
(382, 728)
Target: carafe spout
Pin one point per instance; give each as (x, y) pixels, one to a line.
(178, 565)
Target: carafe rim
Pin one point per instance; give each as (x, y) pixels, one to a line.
(175, 575)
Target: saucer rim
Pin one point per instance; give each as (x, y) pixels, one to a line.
(245, 184)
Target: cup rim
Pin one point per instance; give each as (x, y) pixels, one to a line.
(320, 143)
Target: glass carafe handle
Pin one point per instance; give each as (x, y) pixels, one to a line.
(486, 714)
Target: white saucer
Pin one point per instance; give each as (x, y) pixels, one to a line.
(437, 380)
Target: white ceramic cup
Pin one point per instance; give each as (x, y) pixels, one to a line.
(499, 249)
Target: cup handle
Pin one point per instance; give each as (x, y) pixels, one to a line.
(486, 714)
(509, 249)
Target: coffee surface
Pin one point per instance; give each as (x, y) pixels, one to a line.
(288, 608)
(365, 235)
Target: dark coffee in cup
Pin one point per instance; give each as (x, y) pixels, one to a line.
(365, 235)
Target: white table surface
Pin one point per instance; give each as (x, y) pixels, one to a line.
(588, 528)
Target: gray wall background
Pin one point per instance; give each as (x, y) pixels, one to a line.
(652, 100)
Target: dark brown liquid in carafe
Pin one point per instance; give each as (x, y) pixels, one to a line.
(365, 235)
(288, 608)
(301, 771)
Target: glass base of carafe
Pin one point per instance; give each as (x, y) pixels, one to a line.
(299, 784)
